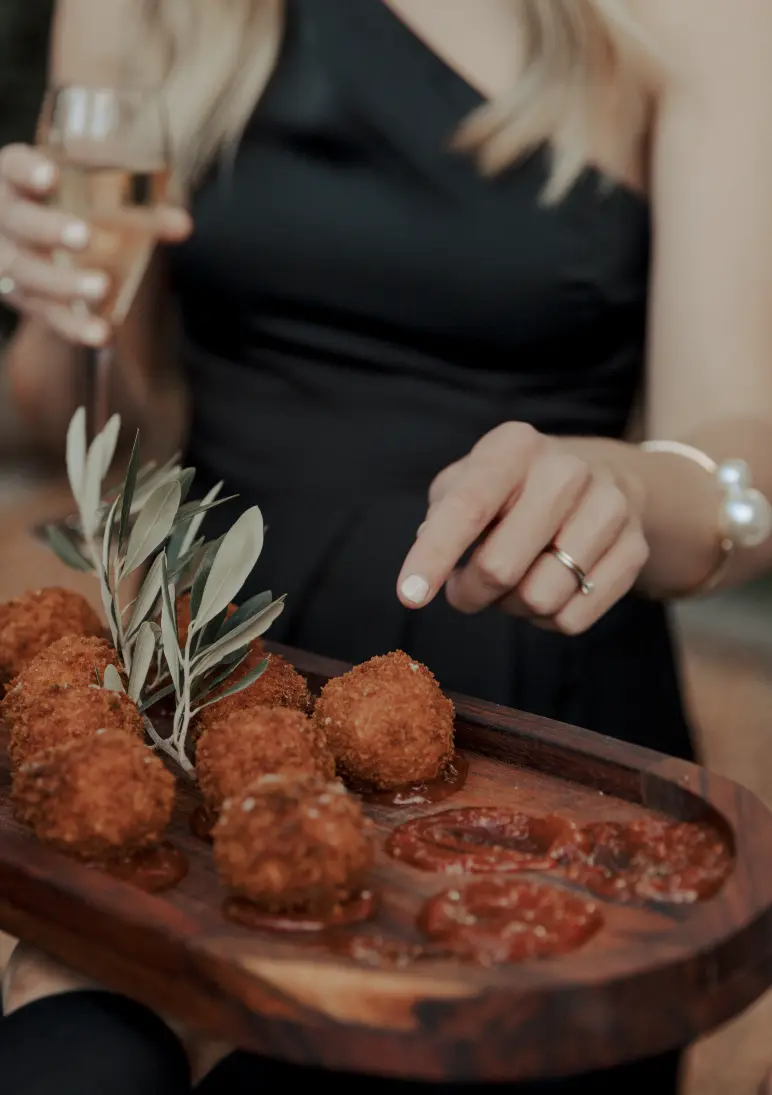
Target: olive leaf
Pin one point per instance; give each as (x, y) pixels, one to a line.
(127, 493)
(186, 477)
(111, 680)
(152, 526)
(90, 496)
(169, 632)
(156, 697)
(200, 509)
(147, 596)
(75, 453)
(109, 442)
(191, 530)
(108, 604)
(202, 686)
(144, 649)
(202, 574)
(245, 612)
(235, 560)
(64, 549)
(107, 536)
(249, 678)
(239, 637)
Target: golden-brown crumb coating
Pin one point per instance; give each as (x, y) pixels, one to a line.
(69, 662)
(64, 714)
(97, 798)
(238, 749)
(387, 722)
(293, 842)
(279, 686)
(30, 623)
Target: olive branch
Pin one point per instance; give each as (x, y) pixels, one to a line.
(149, 518)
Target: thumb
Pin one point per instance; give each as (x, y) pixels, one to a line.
(172, 224)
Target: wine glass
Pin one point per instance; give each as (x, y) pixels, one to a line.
(112, 151)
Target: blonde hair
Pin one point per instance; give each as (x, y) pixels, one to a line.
(582, 77)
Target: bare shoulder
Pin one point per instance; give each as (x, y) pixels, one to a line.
(710, 39)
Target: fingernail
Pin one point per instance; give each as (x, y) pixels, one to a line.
(96, 332)
(42, 176)
(75, 234)
(93, 286)
(415, 589)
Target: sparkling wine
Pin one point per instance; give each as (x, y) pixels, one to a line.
(118, 206)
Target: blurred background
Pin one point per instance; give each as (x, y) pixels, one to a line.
(726, 640)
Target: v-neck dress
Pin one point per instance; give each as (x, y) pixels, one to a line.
(360, 306)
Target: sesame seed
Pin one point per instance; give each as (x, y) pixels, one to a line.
(248, 804)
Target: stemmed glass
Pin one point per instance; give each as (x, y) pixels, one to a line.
(112, 150)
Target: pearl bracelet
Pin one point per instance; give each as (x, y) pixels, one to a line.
(744, 514)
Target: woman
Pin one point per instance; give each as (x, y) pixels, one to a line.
(455, 246)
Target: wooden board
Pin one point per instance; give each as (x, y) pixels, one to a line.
(652, 980)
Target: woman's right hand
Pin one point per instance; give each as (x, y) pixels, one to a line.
(30, 231)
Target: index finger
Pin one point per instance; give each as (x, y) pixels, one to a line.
(27, 169)
(452, 525)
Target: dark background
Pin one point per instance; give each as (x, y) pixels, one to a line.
(24, 29)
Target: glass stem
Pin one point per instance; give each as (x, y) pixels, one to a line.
(97, 376)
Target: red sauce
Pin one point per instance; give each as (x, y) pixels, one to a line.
(423, 792)
(152, 869)
(248, 915)
(651, 859)
(501, 920)
(201, 822)
(477, 839)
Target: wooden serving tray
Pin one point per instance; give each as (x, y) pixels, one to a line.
(653, 979)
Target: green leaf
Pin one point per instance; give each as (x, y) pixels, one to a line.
(202, 575)
(237, 638)
(112, 680)
(161, 694)
(127, 494)
(90, 499)
(196, 520)
(244, 612)
(109, 442)
(186, 477)
(98, 678)
(107, 536)
(147, 596)
(202, 686)
(75, 455)
(109, 606)
(144, 650)
(249, 678)
(234, 562)
(65, 550)
(152, 526)
(200, 509)
(169, 632)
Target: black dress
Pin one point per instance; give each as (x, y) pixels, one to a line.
(360, 307)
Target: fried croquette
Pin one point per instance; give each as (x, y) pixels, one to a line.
(65, 714)
(387, 722)
(293, 843)
(183, 616)
(70, 662)
(245, 745)
(97, 798)
(30, 623)
(279, 686)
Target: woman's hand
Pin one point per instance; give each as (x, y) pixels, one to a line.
(30, 231)
(515, 497)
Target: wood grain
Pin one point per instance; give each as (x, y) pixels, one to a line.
(653, 979)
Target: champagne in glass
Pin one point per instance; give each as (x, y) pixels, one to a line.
(111, 149)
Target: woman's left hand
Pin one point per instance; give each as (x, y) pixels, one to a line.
(518, 495)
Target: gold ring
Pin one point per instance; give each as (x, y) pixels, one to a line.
(585, 585)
